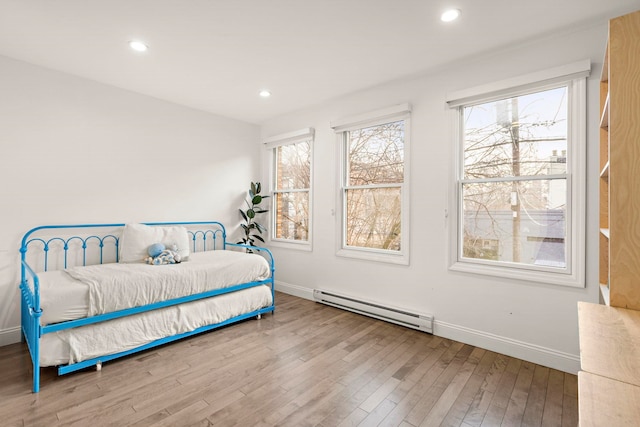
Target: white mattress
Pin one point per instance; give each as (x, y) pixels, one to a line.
(114, 336)
(62, 297)
(108, 287)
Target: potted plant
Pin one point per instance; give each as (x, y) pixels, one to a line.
(252, 229)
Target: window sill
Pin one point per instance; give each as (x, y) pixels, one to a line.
(373, 255)
(520, 274)
(291, 244)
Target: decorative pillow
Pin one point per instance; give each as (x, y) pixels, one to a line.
(136, 239)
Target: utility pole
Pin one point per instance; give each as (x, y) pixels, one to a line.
(515, 159)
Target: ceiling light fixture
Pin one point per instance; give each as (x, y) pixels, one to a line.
(138, 46)
(265, 93)
(450, 15)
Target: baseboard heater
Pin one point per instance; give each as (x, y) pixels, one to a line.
(419, 321)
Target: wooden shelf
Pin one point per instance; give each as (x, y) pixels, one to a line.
(604, 119)
(609, 383)
(604, 173)
(610, 342)
(604, 294)
(605, 402)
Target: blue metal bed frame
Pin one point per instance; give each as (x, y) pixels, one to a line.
(30, 287)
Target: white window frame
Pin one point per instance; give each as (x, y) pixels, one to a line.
(574, 76)
(272, 143)
(341, 127)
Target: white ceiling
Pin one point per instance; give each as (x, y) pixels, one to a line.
(216, 55)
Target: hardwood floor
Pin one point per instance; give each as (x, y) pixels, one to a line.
(306, 365)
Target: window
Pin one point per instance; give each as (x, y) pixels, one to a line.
(374, 185)
(520, 182)
(291, 188)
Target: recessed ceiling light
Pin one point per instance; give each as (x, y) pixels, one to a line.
(138, 46)
(265, 93)
(450, 15)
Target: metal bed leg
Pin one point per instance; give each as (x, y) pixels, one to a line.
(99, 366)
(35, 358)
(36, 371)
(35, 349)
(259, 316)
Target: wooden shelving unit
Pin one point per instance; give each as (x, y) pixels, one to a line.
(609, 382)
(620, 163)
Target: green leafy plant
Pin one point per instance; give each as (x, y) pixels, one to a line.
(252, 229)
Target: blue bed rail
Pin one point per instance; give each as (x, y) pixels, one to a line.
(211, 235)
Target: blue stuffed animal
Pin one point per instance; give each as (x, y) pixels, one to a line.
(160, 255)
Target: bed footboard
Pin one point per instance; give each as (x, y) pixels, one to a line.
(30, 319)
(269, 257)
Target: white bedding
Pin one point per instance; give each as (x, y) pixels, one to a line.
(87, 291)
(114, 336)
(62, 298)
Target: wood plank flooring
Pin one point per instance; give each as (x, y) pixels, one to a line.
(305, 365)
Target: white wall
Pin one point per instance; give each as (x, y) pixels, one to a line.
(76, 151)
(536, 322)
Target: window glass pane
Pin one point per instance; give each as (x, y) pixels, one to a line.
(292, 218)
(374, 218)
(517, 221)
(376, 154)
(293, 166)
(521, 136)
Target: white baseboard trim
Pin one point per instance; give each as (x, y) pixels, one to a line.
(522, 350)
(295, 290)
(10, 336)
(544, 356)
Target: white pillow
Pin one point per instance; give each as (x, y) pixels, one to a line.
(136, 239)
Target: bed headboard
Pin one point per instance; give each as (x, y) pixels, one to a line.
(55, 247)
